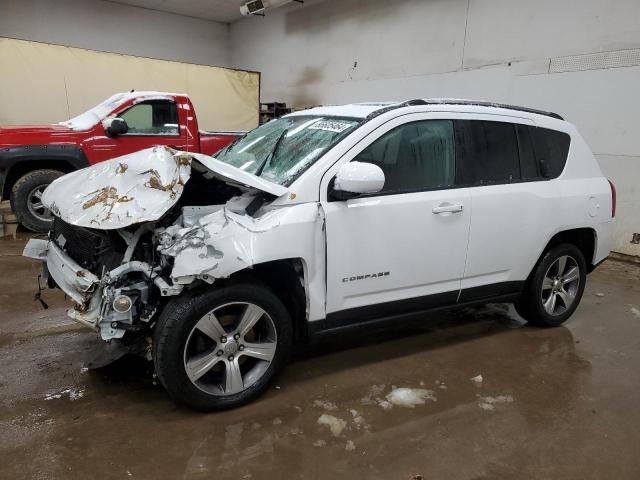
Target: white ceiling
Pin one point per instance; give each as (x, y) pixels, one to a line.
(226, 11)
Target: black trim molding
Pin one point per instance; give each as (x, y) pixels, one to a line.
(381, 313)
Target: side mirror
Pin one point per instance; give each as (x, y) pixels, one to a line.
(115, 126)
(356, 178)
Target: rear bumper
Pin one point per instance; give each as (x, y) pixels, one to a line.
(604, 242)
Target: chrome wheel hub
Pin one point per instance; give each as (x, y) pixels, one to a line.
(35, 205)
(560, 285)
(230, 348)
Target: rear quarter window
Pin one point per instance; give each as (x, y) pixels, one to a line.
(551, 149)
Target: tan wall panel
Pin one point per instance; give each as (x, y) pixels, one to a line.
(42, 83)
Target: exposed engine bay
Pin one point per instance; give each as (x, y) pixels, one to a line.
(120, 257)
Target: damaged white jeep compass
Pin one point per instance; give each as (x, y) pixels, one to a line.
(325, 219)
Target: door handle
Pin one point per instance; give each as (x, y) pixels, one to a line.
(447, 208)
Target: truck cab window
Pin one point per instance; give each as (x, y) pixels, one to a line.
(155, 117)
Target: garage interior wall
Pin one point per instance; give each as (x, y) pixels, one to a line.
(580, 58)
(63, 81)
(113, 27)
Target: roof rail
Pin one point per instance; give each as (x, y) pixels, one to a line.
(446, 101)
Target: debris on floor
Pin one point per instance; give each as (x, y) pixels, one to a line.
(336, 425)
(635, 312)
(371, 398)
(489, 403)
(319, 443)
(72, 393)
(358, 420)
(599, 294)
(410, 397)
(477, 380)
(325, 404)
(350, 446)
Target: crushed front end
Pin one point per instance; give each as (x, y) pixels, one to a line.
(112, 277)
(115, 242)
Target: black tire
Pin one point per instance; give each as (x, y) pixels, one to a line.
(20, 198)
(531, 305)
(173, 332)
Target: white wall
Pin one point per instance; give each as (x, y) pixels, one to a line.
(336, 51)
(112, 27)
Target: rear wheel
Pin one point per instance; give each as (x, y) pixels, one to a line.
(554, 291)
(26, 199)
(220, 348)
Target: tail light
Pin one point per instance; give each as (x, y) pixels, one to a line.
(613, 199)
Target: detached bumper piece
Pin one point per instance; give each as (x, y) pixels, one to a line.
(72, 279)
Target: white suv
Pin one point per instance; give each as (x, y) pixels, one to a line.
(323, 220)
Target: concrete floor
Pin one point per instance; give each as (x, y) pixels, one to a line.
(558, 403)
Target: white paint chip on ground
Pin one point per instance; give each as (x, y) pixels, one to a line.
(489, 403)
(635, 312)
(477, 380)
(410, 397)
(599, 294)
(336, 425)
(350, 446)
(72, 393)
(319, 443)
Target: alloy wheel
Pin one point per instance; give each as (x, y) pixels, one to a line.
(230, 348)
(560, 285)
(35, 205)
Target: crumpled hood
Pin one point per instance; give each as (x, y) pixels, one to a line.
(135, 188)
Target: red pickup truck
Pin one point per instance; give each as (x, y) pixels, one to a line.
(31, 157)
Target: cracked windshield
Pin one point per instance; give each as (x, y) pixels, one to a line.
(282, 149)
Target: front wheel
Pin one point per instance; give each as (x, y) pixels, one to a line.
(554, 290)
(220, 348)
(26, 199)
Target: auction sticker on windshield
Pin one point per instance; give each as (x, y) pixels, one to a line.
(331, 126)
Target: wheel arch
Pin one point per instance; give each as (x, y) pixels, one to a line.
(584, 238)
(17, 162)
(286, 278)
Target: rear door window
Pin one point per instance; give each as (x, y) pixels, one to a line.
(487, 153)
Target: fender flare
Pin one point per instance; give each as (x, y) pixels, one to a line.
(17, 161)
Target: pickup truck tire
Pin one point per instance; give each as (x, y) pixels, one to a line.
(219, 348)
(25, 197)
(555, 287)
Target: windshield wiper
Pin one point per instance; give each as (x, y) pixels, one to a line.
(271, 153)
(224, 150)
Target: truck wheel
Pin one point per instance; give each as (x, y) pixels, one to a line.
(554, 291)
(26, 199)
(220, 348)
